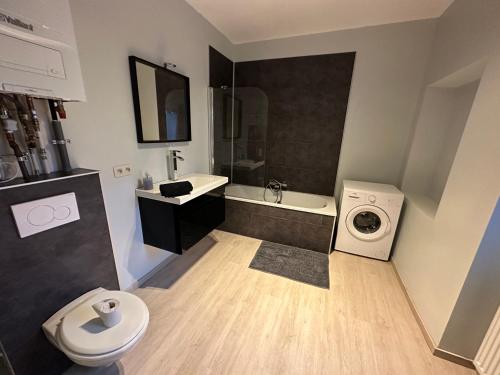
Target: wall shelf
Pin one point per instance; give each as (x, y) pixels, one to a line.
(20, 182)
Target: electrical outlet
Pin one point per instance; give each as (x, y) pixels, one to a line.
(122, 170)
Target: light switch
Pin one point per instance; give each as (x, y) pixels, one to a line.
(47, 213)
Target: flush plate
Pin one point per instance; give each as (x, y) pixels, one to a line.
(43, 214)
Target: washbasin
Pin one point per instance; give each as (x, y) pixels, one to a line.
(202, 183)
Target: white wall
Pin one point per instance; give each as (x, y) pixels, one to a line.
(387, 80)
(103, 128)
(434, 255)
(439, 127)
(433, 120)
(463, 99)
(479, 298)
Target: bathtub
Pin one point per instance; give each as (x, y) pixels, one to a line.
(312, 203)
(301, 220)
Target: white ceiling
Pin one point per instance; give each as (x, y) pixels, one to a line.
(252, 20)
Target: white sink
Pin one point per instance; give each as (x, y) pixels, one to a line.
(202, 183)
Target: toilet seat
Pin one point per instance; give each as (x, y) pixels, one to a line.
(81, 333)
(103, 359)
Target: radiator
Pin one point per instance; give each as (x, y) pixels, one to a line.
(487, 361)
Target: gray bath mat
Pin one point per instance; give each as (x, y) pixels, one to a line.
(295, 263)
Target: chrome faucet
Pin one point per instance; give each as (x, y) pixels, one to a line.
(276, 188)
(172, 158)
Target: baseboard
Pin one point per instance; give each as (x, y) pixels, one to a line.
(455, 358)
(150, 274)
(479, 368)
(427, 336)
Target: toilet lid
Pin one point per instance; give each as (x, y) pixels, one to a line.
(82, 330)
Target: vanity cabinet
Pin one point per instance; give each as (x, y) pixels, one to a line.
(175, 227)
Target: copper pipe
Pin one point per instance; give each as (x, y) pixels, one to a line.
(60, 109)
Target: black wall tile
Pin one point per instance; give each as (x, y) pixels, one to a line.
(289, 227)
(221, 69)
(42, 273)
(221, 75)
(307, 104)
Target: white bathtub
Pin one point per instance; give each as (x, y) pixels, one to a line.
(312, 203)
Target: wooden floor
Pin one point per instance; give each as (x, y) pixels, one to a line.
(211, 314)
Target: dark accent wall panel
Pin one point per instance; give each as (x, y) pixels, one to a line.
(307, 100)
(42, 273)
(280, 225)
(221, 69)
(221, 80)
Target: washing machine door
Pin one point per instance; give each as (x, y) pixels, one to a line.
(368, 223)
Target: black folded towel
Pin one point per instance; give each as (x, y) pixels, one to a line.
(176, 188)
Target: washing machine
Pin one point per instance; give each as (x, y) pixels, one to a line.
(369, 215)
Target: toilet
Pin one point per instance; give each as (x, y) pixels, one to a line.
(78, 331)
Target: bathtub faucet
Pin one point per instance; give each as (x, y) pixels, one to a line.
(276, 185)
(276, 188)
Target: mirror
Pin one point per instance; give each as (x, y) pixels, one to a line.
(161, 103)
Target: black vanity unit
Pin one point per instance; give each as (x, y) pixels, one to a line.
(178, 226)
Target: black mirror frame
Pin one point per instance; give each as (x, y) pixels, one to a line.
(137, 105)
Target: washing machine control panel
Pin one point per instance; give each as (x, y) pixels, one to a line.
(355, 196)
(362, 197)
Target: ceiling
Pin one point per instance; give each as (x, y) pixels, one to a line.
(252, 20)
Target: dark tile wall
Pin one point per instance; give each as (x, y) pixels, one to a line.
(220, 69)
(307, 103)
(289, 227)
(221, 74)
(222, 146)
(42, 273)
(251, 144)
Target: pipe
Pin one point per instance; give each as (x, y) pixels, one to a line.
(9, 127)
(42, 152)
(34, 115)
(60, 109)
(60, 141)
(30, 133)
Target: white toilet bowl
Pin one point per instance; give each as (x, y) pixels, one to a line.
(79, 333)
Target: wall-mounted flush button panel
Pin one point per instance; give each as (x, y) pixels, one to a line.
(43, 214)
